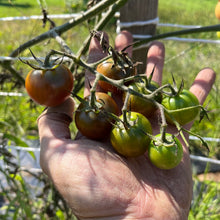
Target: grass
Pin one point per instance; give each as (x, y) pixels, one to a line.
(27, 8)
(183, 60)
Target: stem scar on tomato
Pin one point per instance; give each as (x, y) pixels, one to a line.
(165, 154)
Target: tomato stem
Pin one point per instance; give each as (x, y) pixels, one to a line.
(125, 110)
(198, 136)
(93, 91)
(163, 125)
(211, 28)
(79, 98)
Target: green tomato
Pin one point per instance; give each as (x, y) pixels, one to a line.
(165, 155)
(131, 141)
(178, 105)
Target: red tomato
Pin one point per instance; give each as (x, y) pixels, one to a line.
(217, 10)
(110, 70)
(49, 87)
(96, 123)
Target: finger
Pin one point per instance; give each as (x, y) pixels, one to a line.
(203, 84)
(54, 132)
(123, 40)
(155, 58)
(95, 53)
(56, 118)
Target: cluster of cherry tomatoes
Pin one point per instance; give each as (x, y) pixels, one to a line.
(98, 116)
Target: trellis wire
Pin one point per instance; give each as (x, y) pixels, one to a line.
(32, 58)
(119, 25)
(40, 17)
(16, 94)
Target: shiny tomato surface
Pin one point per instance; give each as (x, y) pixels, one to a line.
(49, 87)
(96, 123)
(131, 141)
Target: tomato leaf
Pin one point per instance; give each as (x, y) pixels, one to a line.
(203, 113)
(17, 141)
(151, 74)
(199, 137)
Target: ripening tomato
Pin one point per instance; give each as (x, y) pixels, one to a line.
(110, 70)
(142, 105)
(131, 141)
(96, 123)
(217, 10)
(178, 107)
(49, 87)
(165, 155)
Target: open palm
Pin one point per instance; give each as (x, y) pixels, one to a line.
(95, 181)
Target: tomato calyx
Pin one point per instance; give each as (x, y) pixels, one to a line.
(167, 140)
(115, 70)
(165, 154)
(175, 91)
(96, 122)
(120, 58)
(131, 141)
(44, 65)
(96, 106)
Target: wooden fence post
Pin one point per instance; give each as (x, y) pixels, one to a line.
(139, 11)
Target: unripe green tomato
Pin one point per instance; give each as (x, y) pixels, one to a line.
(132, 141)
(178, 107)
(165, 157)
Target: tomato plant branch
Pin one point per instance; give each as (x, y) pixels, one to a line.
(198, 136)
(101, 24)
(93, 11)
(9, 67)
(211, 28)
(163, 125)
(183, 109)
(62, 42)
(93, 90)
(125, 110)
(178, 126)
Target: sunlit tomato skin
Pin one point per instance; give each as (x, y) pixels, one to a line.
(96, 124)
(177, 104)
(132, 141)
(110, 70)
(49, 87)
(217, 10)
(165, 157)
(142, 105)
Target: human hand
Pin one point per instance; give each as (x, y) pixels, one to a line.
(95, 181)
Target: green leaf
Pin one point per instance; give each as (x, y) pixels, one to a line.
(15, 139)
(18, 141)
